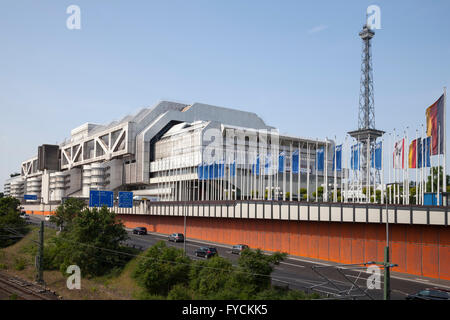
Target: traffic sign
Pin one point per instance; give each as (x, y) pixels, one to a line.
(99, 198)
(125, 199)
(30, 197)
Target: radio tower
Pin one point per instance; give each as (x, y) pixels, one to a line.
(366, 134)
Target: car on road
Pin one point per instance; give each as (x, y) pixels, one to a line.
(237, 249)
(25, 216)
(176, 237)
(140, 230)
(430, 294)
(47, 217)
(206, 252)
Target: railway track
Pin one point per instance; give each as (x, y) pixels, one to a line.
(23, 290)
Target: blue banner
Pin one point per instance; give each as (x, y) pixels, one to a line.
(337, 157)
(355, 157)
(424, 147)
(375, 156)
(255, 169)
(295, 161)
(200, 172)
(205, 171)
(320, 158)
(233, 169)
(281, 162)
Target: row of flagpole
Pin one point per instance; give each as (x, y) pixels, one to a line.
(253, 176)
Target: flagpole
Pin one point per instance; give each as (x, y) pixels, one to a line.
(382, 173)
(444, 177)
(290, 173)
(407, 173)
(359, 173)
(299, 187)
(368, 170)
(439, 165)
(335, 173)
(325, 197)
(307, 171)
(317, 189)
(422, 166)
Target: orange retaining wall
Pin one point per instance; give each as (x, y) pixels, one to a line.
(417, 249)
(40, 213)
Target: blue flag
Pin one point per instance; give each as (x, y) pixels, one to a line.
(355, 157)
(295, 161)
(338, 160)
(233, 169)
(211, 171)
(320, 158)
(255, 168)
(216, 170)
(200, 172)
(425, 149)
(376, 155)
(205, 171)
(281, 162)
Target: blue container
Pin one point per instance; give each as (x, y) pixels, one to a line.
(430, 199)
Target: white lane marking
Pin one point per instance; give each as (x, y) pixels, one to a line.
(294, 265)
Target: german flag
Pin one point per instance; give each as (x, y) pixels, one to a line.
(435, 123)
(412, 157)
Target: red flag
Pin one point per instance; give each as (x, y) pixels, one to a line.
(435, 123)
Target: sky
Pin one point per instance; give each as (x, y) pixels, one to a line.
(294, 63)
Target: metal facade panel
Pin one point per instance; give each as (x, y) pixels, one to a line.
(313, 213)
(374, 215)
(276, 212)
(347, 214)
(403, 216)
(324, 213)
(284, 212)
(335, 214)
(360, 214)
(294, 211)
(267, 211)
(437, 217)
(420, 217)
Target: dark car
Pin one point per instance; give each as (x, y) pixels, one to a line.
(206, 252)
(140, 230)
(176, 237)
(430, 294)
(237, 249)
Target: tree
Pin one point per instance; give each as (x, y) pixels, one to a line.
(67, 211)
(255, 268)
(432, 179)
(11, 225)
(209, 278)
(2, 195)
(320, 193)
(303, 193)
(92, 242)
(162, 268)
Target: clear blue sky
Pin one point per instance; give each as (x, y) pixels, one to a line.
(294, 63)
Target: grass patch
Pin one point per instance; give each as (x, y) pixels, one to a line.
(20, 263)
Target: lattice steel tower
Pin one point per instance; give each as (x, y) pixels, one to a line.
(366, 101)
(366, 134)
